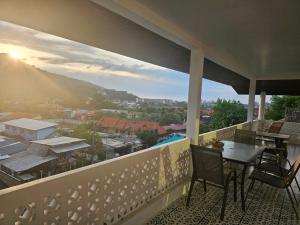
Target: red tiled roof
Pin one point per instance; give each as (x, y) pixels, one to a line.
(175, 127)
(108, 122)
(135, 126)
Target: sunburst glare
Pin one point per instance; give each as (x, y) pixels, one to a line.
(15, 55)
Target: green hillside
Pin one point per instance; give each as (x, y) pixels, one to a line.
(24, 86)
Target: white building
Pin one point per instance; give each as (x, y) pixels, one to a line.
(30, 129)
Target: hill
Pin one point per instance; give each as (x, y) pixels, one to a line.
(23, 85)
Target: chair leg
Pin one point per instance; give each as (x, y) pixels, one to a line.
(204, 185)
(235, 185)
(295, 177)
(291, 199)
(225, 198)
(250, 188)
(190, 192)
(297, 183)
(294, 195)
(251, 185)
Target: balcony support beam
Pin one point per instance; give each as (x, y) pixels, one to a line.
(251, 101)
(194, 99)
(261, 110)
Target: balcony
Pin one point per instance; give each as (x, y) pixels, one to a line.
(146, 187)
(253, 47)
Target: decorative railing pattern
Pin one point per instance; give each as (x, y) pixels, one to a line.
(226, 133)
(106, 192)
(102, 193)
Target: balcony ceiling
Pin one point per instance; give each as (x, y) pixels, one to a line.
(240, 39)
(262, 35)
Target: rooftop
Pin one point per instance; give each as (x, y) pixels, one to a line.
(30, 124)
(73, 147)
(10, 147)
(124, 124)
(113, 143)
(25, 160)
(57, 141)
(175, 127)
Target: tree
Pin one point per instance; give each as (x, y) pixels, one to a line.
(86, 131)
(171, 118)
(227, 113)
(204, 128)
(148, 137)
(279, 104)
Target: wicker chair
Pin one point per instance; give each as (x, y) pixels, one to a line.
(208, 168)
(274, 128)
(283, 181)
(275, 161)
(245, 136)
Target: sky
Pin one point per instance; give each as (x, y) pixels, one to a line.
(103, 68)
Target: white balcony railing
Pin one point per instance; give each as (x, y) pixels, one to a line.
(107, 192)
(228, 132)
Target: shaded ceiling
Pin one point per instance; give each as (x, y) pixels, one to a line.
(277, 87)
(262, 35)
(99, 27)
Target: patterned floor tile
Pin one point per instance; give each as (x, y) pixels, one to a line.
(265, 206)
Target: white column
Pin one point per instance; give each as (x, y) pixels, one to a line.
(194, 99)
(261, 110)
(251, 101)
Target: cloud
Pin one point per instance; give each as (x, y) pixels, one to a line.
(104, 68)
(48, 37)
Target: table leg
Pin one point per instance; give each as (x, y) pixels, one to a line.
(242, 187)
(278, 142)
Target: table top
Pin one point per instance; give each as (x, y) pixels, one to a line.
(240, 153)
(274, 135)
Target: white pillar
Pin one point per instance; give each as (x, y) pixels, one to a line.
(261, 110)
(194, 99)
(251, 101)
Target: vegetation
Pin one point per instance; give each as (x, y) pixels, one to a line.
(87, 131)
(29, 89)
(148, 138)
(167, 118)
(204, 128)
(279, 104)
(227, 113)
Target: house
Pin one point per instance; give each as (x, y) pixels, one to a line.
(25, 166)
(120, 145)
(116, 111)
(120, 125)
(134, 115)
(9, 146)
(66, 148)
(41, 158)
(29, 129)
(175, 127)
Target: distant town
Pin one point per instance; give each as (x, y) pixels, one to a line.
(33, 146)
(50, 124)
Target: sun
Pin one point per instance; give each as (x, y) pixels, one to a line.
(15, 55)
